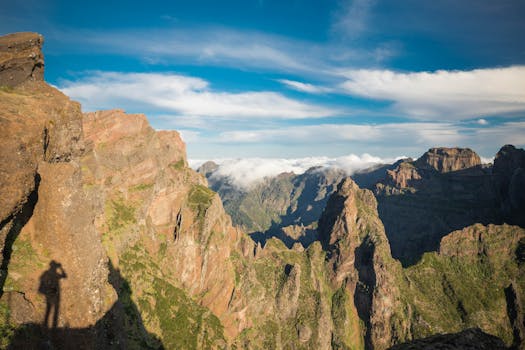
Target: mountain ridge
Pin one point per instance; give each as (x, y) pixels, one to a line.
(142, 254)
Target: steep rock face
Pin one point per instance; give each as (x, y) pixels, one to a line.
(476, 280)
(362, 266)
(445, 160)
(21, 58)
(286, 206)
(49, 276)
(285, 297)
(163, 213)
(39, 124)
(509, 172)
(404, 176)
(421, 201)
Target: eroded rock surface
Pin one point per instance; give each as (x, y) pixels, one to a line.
(21, 59)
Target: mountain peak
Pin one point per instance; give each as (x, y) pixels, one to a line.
(21, 58)
(445, 160)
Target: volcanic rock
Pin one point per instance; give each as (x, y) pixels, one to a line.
(21, 59)
(445, 160)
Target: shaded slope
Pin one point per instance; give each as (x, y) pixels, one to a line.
(286, 206)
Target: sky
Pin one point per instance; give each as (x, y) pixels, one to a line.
(294, 79)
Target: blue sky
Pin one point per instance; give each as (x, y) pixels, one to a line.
(261, 78)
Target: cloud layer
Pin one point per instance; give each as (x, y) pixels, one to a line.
(184, 95)
(446, 95)
(248, 171)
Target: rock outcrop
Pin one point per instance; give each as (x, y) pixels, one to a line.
(54, 267)
(286, 206)
(363, 267)
(476, 280)
(421, 201)
(21, 59)
(110, 241)
(509, 173)
(445, 160)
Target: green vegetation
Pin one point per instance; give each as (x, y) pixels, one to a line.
(199, 200)
(7, 330)
(167, 309)
(179, 165)
(141, 187)
(451, 293)
(7, 89)
(119, 215)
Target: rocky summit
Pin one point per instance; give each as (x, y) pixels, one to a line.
(110, 241)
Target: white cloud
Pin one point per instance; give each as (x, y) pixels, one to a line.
(447, 95)
(389, 139)
(304, 87)
(486, 160)
(225, 47)
(187, 96)
(482, 121)
(351, 19)
(248, 171)
(418, 133)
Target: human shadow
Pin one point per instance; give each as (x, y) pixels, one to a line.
(121, 327)
(50, 288)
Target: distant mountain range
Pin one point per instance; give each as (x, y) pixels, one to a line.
(419, 201)
(111, 241)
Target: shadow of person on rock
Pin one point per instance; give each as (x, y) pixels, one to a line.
(50, 287)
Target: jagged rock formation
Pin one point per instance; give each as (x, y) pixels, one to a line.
(476, 280)
(445, 160)
(21, 59)
(509, 173)
(286, 206)
(110, 241)
(444, 190)
(71, 207)
(45, 215)
(164, 215)
(362, 267)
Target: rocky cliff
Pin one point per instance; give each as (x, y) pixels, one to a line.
(475, 280)
(47, 236)
(110, 241)
(21, 59)
(445, 160)
(362, 268)
(286, 206)
(444, 190)
(92, 196)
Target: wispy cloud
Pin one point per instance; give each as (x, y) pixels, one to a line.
(446, 95)
(226, 47)
(408, 138)
(305, 87)
(249, 171)
(419, 133)
(184, 95)
(351, 19)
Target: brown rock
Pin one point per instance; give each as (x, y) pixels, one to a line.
(21, 58)
(449, 159)
(288, 295)
(171, 207)
(359, 253)
(405, 175)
